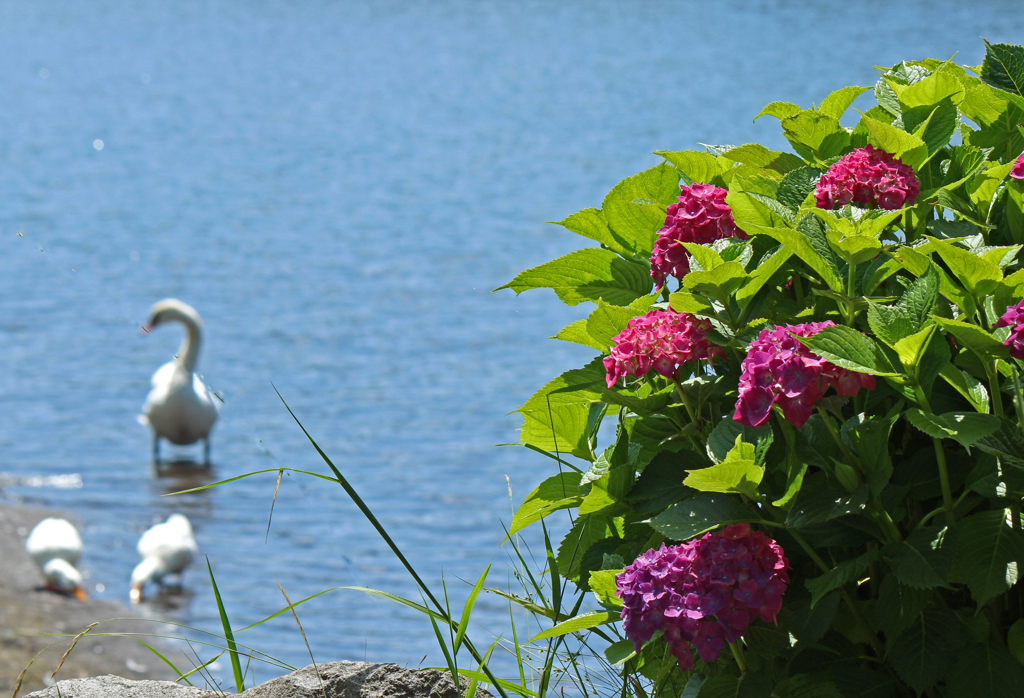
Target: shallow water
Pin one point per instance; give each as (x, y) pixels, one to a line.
(337, 187)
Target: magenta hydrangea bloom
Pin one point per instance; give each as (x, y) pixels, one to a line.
(703, 593)
(1018, 167)
(1014, 318)
(868, 177)
(662, 340)
(780, 369)
(700, 216)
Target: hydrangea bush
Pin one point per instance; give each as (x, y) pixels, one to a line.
(795, 466)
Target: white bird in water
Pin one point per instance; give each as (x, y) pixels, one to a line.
(166, 548)
(55, 546)
(180, 407)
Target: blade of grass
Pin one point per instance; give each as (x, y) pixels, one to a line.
(515, 643)
(286, 609)
(199, 668)
(444, 649)
(303, 633)
(467, 610)
(277, 486)
(556, 585)
(165, 660)
(242, 477)
(471, 688)
(451, 633)
(507, 685)
(398, 599)
(236, 665)
(357, 500)
(74, 642)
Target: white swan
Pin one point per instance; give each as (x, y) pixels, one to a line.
(180, 407)
(166, 548)
(55, 546)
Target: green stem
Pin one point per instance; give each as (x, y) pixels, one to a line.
(993, 387)
(827, 419)
(888, 526)
(737, 652)
(1017, 400)
(947, 493)
(689, 408)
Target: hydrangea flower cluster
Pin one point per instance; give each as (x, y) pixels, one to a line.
(1014, 318)
(1018, 167)
(868, 177)
(779, 369)
(662, 340)
(702, 216)
(703, 593)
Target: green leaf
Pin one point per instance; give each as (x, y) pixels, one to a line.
(806, 624)
(869, 439)
(759, 156)
(556, 417)
(977, 274)
(1006, 443)
(890, 323)
(696, 516)
(706, 257)
(849, 349)
(602, 583)
(966, 428)
(587, 275)
(817, 502)
(924, 653)
(780, 110)
(720, 283)
(590, 223)
(913, 349)
(918, 264)
(696, 165)
(560, 491)
(985, 670)
(583, 548)
(761, 275)
(908, 148)
(899, 605)
(836, 104)
(574, 625)
(989, 553)
(806, 686)
(1004, 67)
(800, 246)
(974, 338)
(606, 321)
(797, 185)
(1015, 640)
(923, 560)
(732, 475)
(635, 224)
(576, 332)
(815, 135)
(931, 91)
(748, 685)
(659, 184)
(722, 439)
(839, 576)
(968, 386)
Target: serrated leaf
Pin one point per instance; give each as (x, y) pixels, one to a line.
(780, 110)
(978, 275)
(836, 104)
(635, 224)
(576, 332)
(590, 223)
(968, 386)
(602, 583)
(974, 338)
(906, 147)
(700, 514)
(839, 576)
(555, 418)
(759, 156)
(606, 321)
(989, 553)
(618, 652)
(889, 323)
(797, 185)
(966, 428)
(719, 283)
(899, 605)
(696, 165)
(587, 275)
(748, 685)
(735, 475)
(658, 184)
(1006, 443)
(799, 244)
(913, 349)
(869, 439)
(924, 559)
(815, 135)
(817, 502)
(560, 491)
(723, 437)
(923, 654)
(574, 625)
(1015, 640)
(762, 274)
(849, 349)
(985, 670)
(1004, 67)
(806, 686)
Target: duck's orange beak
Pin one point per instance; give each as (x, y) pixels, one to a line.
(80, 594)
(135, 594)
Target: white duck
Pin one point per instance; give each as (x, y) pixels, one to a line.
(180, 407)
(166, 548)
(55, 546)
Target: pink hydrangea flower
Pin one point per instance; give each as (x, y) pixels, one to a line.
(1018, 167)
(780, 369)
(700, 216)
(662, 340)
(1014, 318)
(868, 177)
(703, 593)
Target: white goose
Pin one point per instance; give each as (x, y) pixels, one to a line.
(166, 548)
(180, 407)
(55, 546)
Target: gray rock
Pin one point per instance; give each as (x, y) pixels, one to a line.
(336, 680)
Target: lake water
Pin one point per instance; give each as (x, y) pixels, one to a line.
(337, 187)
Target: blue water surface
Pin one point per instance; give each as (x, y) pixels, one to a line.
(337, 187)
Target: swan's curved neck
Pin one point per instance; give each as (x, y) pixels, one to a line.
(189, 350)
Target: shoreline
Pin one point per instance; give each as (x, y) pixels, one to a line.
(27, 611)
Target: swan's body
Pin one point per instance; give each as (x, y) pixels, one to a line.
(166, 548)
(55, 546)
(180, 407)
